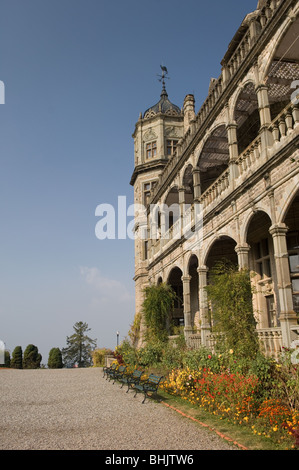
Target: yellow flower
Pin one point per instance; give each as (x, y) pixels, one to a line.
(275, 428)
(231, 351)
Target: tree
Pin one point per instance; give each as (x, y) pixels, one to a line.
(157, 306)
(17, 358)
(32, 358)
(230, 295)
(79, 347)
(55, 359)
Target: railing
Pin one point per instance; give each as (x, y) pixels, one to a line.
(271, 341)
(284, 123)
(193, 341)
(216, 190)
(249, 157)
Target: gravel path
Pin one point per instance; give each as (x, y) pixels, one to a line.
(67, 409)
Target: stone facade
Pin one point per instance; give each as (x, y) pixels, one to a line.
(232, 170)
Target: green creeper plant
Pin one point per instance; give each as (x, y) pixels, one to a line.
(157, 305)
(230, 295)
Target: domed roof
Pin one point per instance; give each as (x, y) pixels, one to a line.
(163, 106)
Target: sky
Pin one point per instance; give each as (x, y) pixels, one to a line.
(77, 74)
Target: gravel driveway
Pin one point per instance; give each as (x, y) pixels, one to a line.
(77, 409)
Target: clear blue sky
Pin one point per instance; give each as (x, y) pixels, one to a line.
(77, 73)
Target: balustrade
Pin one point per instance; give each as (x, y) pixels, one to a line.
(271, 341)
(284, 123)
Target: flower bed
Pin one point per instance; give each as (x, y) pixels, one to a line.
(235, 397)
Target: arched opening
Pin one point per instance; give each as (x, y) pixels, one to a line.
(160, 281)
(262, 267)
(172, 203)
(175, 281)
(283, 70)
(222, 249)
(292, 222)
(188, 185)
(194, 286)
(246, 116)
(214, 158)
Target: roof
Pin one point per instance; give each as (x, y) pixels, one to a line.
(163, 106)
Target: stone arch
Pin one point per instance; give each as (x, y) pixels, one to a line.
(173, 189)
(281, 66)
(246, 115)
(171, 202)
(167, 270)
(214, 156)
(250, 79)
(245, 226)
(175, 281)
(289, 29)
(220, 237)
(188, 184)
(262, 266)
(286, 199)
(193, 264)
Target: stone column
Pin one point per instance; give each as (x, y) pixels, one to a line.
(182, 207)
(242, 252)
(189, 111)
(203, 305)
(187, 306)
(265, 117)
(163, 223)
(196, 183)
(284, 286)
(233, 151)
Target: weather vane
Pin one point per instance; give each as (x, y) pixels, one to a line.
(163, 76)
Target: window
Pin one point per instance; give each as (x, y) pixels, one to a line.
(271, 310)
(171, 147)
(262, 258)
(293, 251)
(147, 187)
(151, 150)
(145, 250)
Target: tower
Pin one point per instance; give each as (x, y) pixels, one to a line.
(156, 135)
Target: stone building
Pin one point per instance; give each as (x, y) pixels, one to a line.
(232, 170)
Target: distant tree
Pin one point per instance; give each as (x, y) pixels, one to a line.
(98, 356)
(79, 347)
(17, 358)
(55, 359)
(7, 359)
(32, 358)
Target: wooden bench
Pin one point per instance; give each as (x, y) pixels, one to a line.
(107, 369)
(131, 379)
(150, 385)
(118, 373)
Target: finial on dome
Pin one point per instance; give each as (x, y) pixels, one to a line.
(162, 79)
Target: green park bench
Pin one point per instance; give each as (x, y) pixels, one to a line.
(150, 385)
(131, 379)
(109, 369)
(118, 373)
